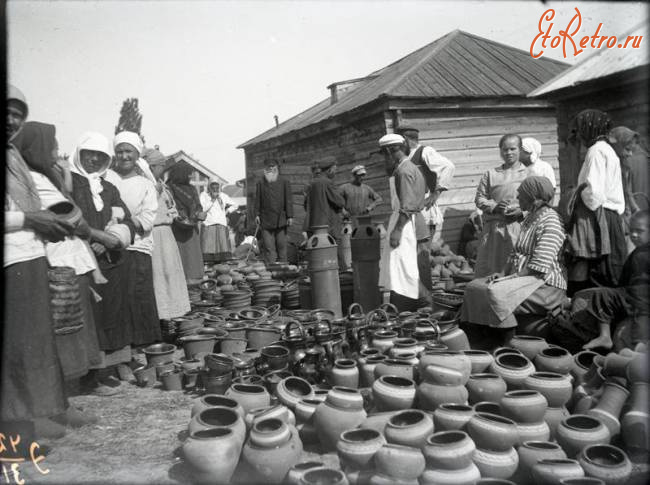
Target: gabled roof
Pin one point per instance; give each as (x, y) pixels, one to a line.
(604, 62)
(181, 155)
(457, 65)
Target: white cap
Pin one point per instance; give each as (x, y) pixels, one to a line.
(391, 139)
(359, 170)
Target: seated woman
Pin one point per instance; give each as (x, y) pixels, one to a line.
(535, 280)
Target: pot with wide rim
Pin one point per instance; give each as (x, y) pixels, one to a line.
(579, 431)
(492, 432)
(513, 368)
(410, 427)
(524, 406)
(159, 353)
(392, 393)
(357, 447)
(529, 345)
(554, 359)
(449, 417)
(550, 471)
(448, 450)
(609, 463)
(213, 454)
(485, 387)
(530, 452)
(341, 410)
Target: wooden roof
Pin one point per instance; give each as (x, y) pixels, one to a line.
(181, 155)
(602, 63)
(457, 65)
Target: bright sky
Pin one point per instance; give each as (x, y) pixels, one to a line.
(211, 74)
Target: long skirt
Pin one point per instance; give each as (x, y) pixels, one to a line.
(142, 300)
(189, 246)
(169, 285)
(214, 239)
(79, 351)
(32, 381)
(112, 314)
(495, 246)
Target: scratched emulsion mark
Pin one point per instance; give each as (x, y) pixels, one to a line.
(11, 459)
(566, 37)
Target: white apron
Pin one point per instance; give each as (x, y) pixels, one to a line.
(398, 268)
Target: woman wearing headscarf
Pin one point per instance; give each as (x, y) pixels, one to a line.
(140, 196)
(597, 247)
(169, 285)
(496, 197)
(186, 225)
(104, 210)
(531, 151)
(534, 280)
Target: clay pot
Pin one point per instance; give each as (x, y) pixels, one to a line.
(449, 359)
(496, 464)
(538, 431)
(381, 479)
(551, 471)
(269, 433)
(384, 340)
(345, 373)
(393, 393)
(554, 359)
(487, 407)
(275, 357)
(452, 416)
(399, 462)
(528, 345)
(278, 411)
(443, 376)
(403, 346)
(468, 475)
(513, 368)
(378, 421)
(216, 384)
(295, 473)
(395, 367)
(506, 350)
(553, 417)
(524, 406)
(233, 345)
(197, 344)
(609, 406)
(430, 396)
(273, 462)
(635, 424)
(409, 428)
(324, 476)
(219, 417)
(367, 370)
(616, 365)
(172, 380)
(164, 367)
(250, 379)
(581, 363)
(357, 447)
(292, 389)
(480, 360)
(606, 462)
(485, 387)
(305, 409)
(449, 450)
(581, 481)
(145, 376)
(249, 396)
(578, 431)
(492, 432)
(273, 378)
(530, 452)
(342, 410)
(212, 454)
(189, 365)
(637, 369)
(555, 387)
(159, 353)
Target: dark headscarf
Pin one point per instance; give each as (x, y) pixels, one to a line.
(185, 195)
(36, 142)
(592, 125)
(539, 189)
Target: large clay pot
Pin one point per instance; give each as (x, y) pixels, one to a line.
(305, 409)
(295, 473)
(513, 368)
(452, 416)
(357, 447)
(197, 344)
(342, 410)
(159, 353)
(610, 405)
(492, 432)
(216, 384)
(487, 407)
(579, 431)
(496, 464)
(462, 476)
(393, 393)
(555, 387)
(219, 417)
(292, 389)
(378, 421)
(551, 471)
(480, 360)
(452, 360)
(403, 346)
(524, 406)
(538, 431)
(400, 462)
(261, 336)
(553, 417)
(453, 337)
(485, 387)
(271, 451)
(449, 450)
(324, 476)
(409, 428)
(554, 359)
(606, 462)
(635, 425)
(367, 369)
(274, 357)
(530, 452)
(278, 411)
(345, 373)
(443, 376)
(528, 345)
(395, 367)
(212, 400)
(616, 365)
(384, 340)
(233, 345)
(581, 363)
(249, 396)
(213, 454)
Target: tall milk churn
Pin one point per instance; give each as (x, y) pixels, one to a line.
(365, 263)
(323, 265)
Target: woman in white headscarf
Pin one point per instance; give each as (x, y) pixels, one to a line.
(531, 151)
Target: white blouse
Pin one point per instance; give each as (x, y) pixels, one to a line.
(601, 171)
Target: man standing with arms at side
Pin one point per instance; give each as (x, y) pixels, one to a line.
(273, 211)
(360, 199)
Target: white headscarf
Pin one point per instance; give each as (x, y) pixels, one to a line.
(532, 146)
(97, 142)
(135, 141)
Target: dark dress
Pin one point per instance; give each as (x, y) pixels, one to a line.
(113, 315)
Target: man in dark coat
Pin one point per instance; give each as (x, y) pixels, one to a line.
(273, 211)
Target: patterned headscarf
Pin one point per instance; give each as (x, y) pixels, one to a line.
(539, 189)
(532, 146)
(592, 125)
(99, 143)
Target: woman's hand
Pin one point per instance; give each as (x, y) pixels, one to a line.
(98, 248)
(501, 207)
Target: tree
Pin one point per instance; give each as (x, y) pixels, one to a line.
(130, 117)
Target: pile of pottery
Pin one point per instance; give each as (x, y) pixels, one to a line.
(266, 292)
(290, 296)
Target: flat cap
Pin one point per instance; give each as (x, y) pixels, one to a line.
(391, 139)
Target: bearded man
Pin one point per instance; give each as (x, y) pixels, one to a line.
(273, 211)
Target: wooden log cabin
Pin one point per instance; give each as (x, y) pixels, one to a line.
(611, 80)
(462, 91)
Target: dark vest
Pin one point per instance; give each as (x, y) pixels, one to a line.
(430, 177)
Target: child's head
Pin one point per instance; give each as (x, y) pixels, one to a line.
(640, 228)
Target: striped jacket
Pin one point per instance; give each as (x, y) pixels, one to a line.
(539, 246)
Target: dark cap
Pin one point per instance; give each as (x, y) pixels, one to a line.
(404, 129)
(271, 162)
(327, 163)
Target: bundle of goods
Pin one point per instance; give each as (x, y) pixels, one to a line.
(448, 267)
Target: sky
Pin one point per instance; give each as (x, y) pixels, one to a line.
(210, 75)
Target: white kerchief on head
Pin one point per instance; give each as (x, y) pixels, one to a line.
(131, 138)
(532, 146)
(99, 143)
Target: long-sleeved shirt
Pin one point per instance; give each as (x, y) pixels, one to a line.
(411, 188)
(539, 245)
(542, 169)
(358, 198)
(141, 197)
(499, 184)
(325, 202)
(601, 171)
(273, 202)
(438, 164)
(216, 209)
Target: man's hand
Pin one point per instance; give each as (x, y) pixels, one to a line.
(395, 237)
(289, 221)
(48, 225)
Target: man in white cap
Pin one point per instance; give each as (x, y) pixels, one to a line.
(399, 265)
(359, 198)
